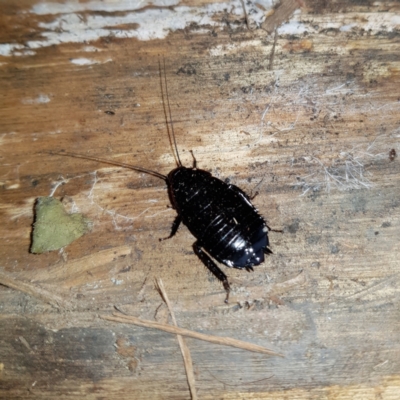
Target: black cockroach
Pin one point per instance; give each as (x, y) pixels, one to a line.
(219, 215)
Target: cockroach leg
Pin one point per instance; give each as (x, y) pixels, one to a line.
(174, 229)
(252, 197)
(274, 230)
(212, 267)
(194, 160)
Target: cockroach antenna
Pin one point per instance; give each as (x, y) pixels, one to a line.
(110, 162)
(171, 134)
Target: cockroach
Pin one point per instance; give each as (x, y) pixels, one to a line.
(226, 225)
(392, 154)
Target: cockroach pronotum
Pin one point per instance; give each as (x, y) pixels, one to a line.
(226, 225)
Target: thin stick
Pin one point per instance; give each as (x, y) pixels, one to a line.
(246, 17)
(226, 341)
(272, 55)
(35, 291)
(187, 358)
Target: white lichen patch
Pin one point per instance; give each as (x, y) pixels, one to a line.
(40, 99)
(144, 20)
(87, 61)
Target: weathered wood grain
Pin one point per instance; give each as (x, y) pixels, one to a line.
(311, 133)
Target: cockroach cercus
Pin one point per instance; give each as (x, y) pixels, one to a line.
(226, 225)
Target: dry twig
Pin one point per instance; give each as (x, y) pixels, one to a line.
(226, 341)
(246, 17)
(187, 358)
(272, 55)
(281, 14)
(35, 291)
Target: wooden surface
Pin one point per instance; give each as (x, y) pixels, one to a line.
(306, 118)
